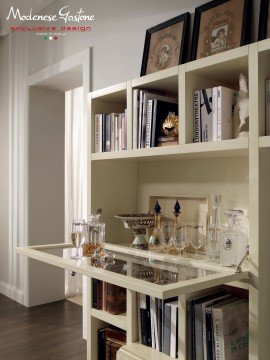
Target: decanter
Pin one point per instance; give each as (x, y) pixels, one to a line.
(213, 229)
(234, 240)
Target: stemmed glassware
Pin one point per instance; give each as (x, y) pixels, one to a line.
(78, 236)
(197, 238)
(179, 240)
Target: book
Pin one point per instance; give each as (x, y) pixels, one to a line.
(226, 99)
(210, 344)
(116, 132)
(204, 305)
(215, 114)
(161, 110)
(166, 330)
(230, 323)
(191, 323)
(153, 314)
(124, 131)
(199, 321)
(148, 124)
(144, 320)
(103, 132)
(206, 114)
(116, 299)
(148, 96)
(140, 118)
(119, 128)
(102, 344)
(112, 131)
(160, 320)
(174, 329)
(197, 136)
(135, 107)
(97, 133)
(107, 132)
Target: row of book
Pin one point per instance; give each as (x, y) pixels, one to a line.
(110, 339)
(111, 132)
(158, 323)
(149, 112)
(108, 297)
(213, 114)
(216, 326)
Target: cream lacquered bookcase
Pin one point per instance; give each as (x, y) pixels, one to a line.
(239, 170)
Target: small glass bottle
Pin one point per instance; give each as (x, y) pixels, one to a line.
(234, 240)
(154, 239)
(213, 229)
(95, 235)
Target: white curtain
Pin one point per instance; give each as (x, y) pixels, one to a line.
(75, 173)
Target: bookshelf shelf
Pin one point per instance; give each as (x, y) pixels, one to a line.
(117, 320)
(225, 148)
(264, 142)
(139, 352)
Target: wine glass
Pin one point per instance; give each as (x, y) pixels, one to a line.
(165, 235)
(180, 239)
(78, 236)
(197, 238)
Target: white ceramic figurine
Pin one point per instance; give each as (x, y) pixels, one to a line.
(241, 110)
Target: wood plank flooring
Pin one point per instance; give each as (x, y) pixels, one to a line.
(52, 331)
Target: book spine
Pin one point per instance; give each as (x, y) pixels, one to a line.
(97, 133)
(174, 332)
(159, 322)
(125, 131)
(198, 332)
(267, 105)
(209, 334)
(152, 316)
(100, 129)
(104, 296)
(226, 102)
(197, 117)
(218, 334)
(219, 116)
(135, 119)
(148, 124)
(140, 119)
(215, 104)
(123, 134)
(148, 325)
(94, 294)
(120, 131)
(108, 133)
(166, 329)
(112, 131)
(116, 134)
(103, 132)
(206, 115)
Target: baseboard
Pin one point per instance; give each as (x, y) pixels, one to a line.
(11, 292)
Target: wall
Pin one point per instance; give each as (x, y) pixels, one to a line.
(46, 189)
(4, 167)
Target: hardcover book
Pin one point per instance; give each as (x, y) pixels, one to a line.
(116, 299)
(197, 135)
(206, 114)
(225, 103)
(230, 323)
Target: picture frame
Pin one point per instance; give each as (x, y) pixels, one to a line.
(165, 45)
(264, 20)
(220, 25)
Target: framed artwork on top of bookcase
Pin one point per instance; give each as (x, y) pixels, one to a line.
(264, 21)
(165, 45)
(220, 25)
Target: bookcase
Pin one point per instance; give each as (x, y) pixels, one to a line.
(238, 169)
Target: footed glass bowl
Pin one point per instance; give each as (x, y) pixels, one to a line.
(138, 223)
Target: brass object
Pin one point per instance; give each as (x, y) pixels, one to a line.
(170, 126)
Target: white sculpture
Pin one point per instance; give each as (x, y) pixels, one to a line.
(241, 109)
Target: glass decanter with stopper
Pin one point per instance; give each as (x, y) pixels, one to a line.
(95, 235)
(213, 229)
(234, 240)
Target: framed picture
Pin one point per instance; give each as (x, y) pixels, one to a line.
(165, 45)
(264, 22)
(220, 25)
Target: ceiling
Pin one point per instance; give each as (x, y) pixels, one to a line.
(24, 6)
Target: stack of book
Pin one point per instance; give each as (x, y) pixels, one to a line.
(108, 297)
(111, 132)
(217, 327)
(110, 339)
(213, 114)
(158, 323)
(149, 112)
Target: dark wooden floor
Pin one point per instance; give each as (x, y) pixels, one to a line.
(52, 331)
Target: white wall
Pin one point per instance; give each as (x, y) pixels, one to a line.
(46, 190)
(4, 167)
